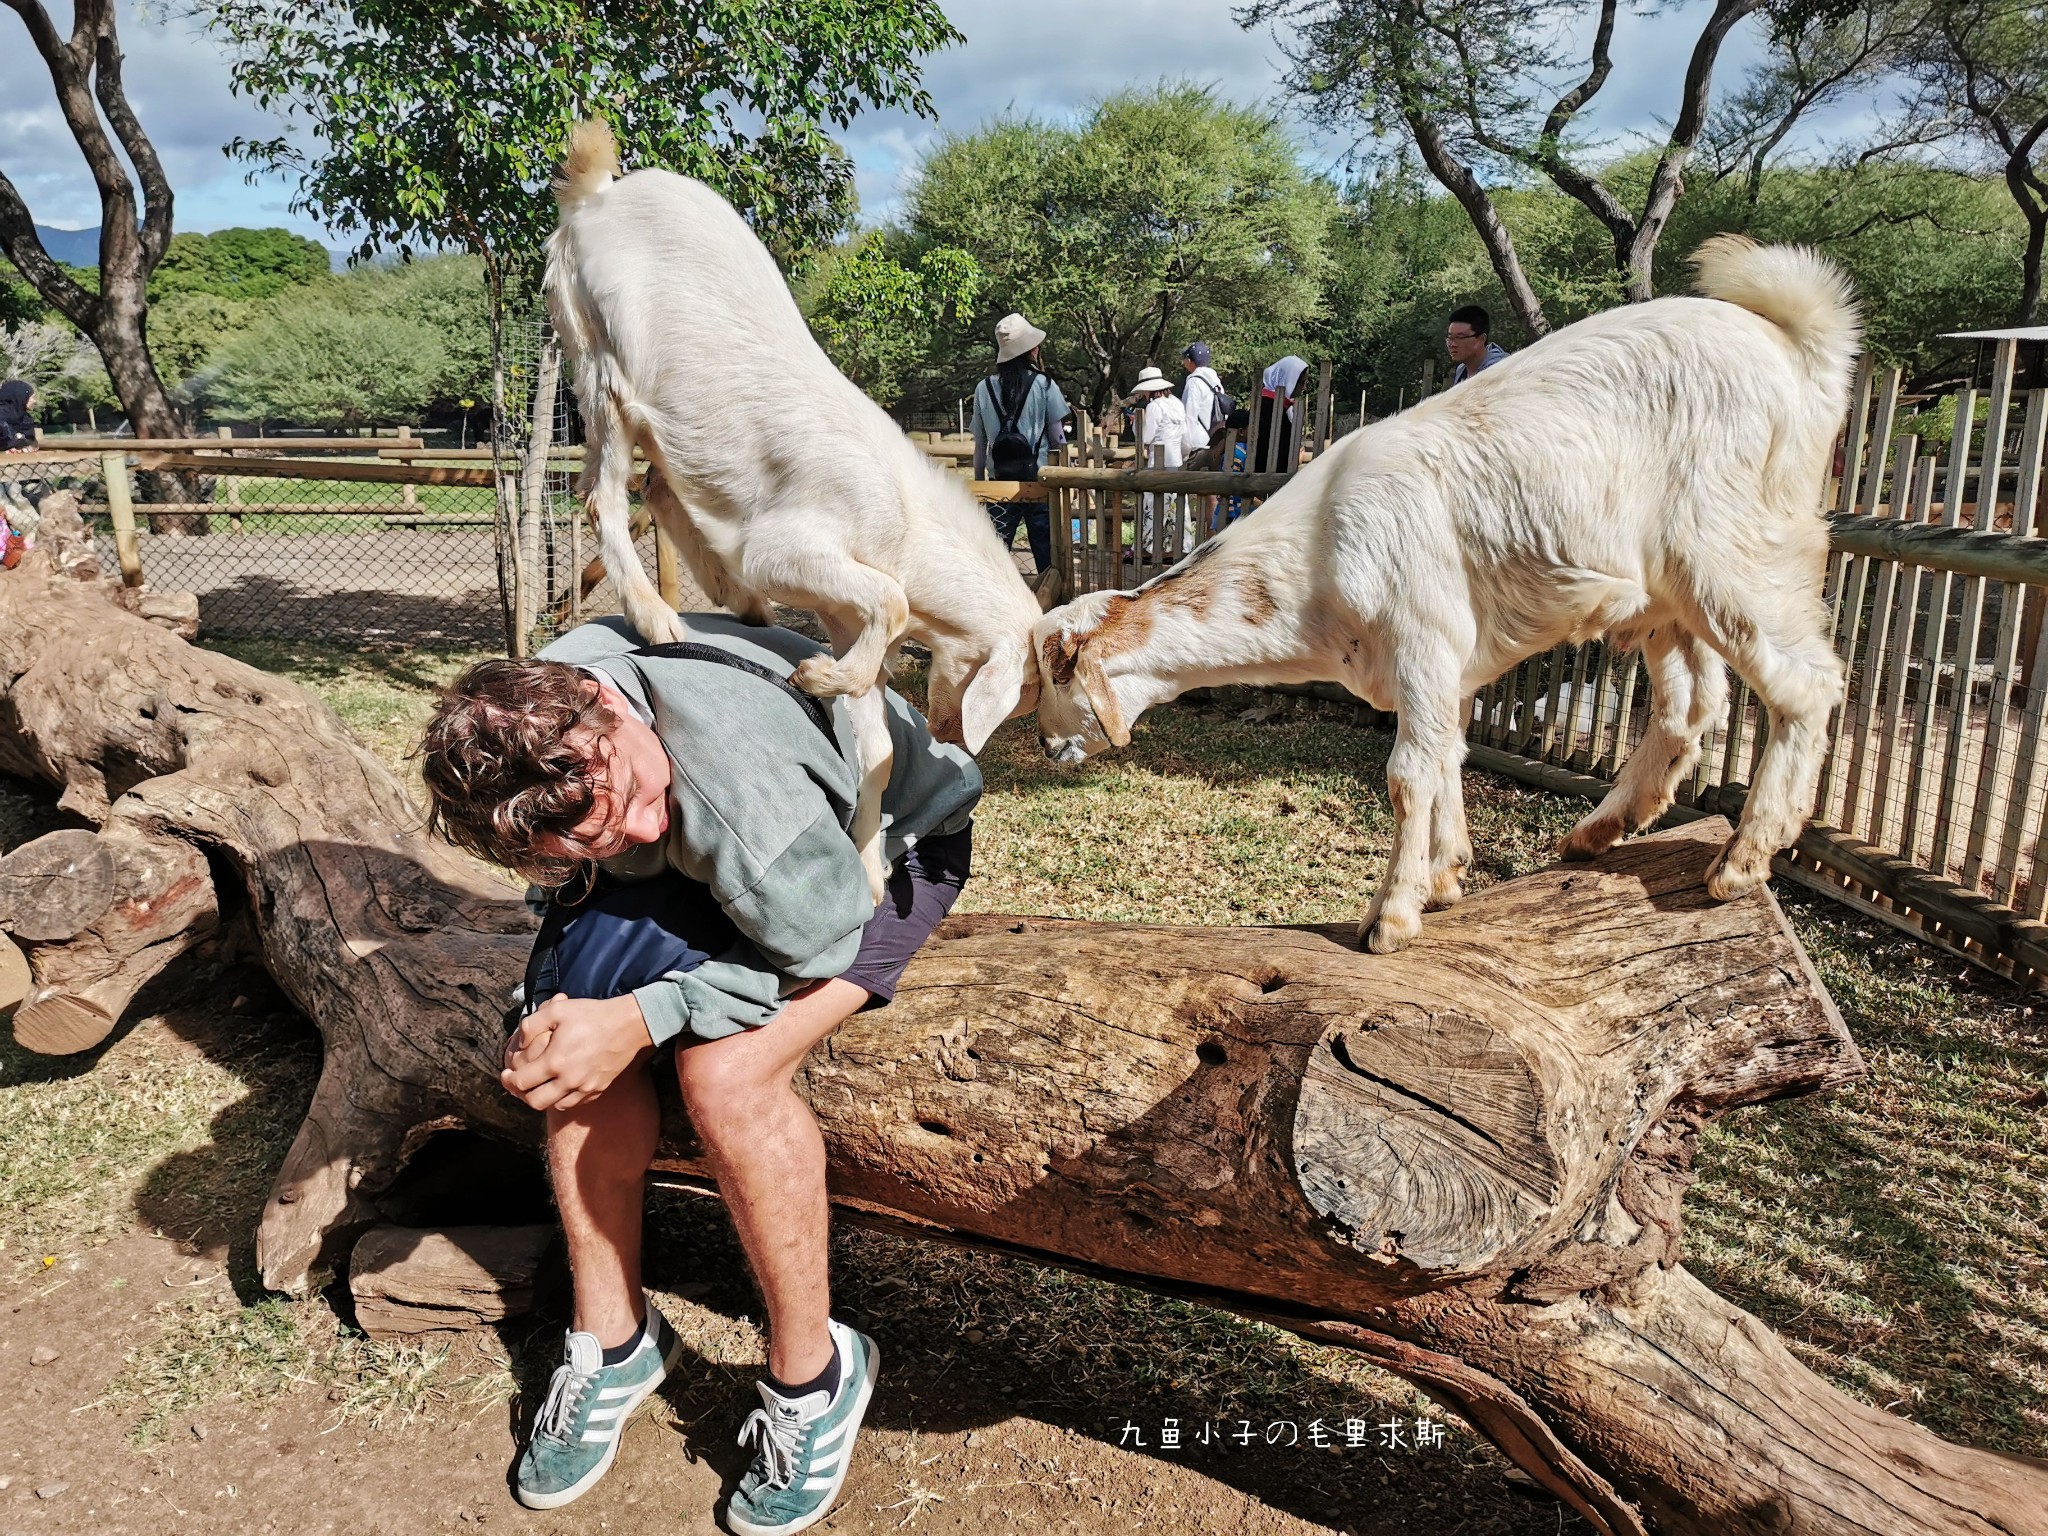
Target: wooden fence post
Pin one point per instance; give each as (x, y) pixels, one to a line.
(408, 497)
(121, 508)
(1323, 406)
(231, 488)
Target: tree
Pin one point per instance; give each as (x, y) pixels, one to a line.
(414, 125)
(239, 263)
(85, 69)
(327, 367)
(1822, 52)
(1164, 216)
(1469, 82)
(876, 316)
(1980, 74)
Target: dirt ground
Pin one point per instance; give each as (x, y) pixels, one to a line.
(993, 1410)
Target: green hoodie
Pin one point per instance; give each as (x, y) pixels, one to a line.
(758, 810)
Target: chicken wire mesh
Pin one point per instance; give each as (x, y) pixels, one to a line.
(309, 551)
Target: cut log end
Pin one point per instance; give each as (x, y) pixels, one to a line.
(53, 887)
(407, 1281)
(61, 1025)
(15, 980)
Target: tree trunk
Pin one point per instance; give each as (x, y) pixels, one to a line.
(1458, 180)
(1466, 1160)
(540, 440)
(85, 72)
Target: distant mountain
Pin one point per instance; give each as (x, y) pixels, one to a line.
(81, 247)
(73, 247)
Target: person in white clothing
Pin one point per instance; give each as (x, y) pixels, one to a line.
(1201, 394)
(1162, 443)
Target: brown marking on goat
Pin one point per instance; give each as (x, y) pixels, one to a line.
(1125, 625)
(1186, 586)
(1259, 607)
(1061, 650)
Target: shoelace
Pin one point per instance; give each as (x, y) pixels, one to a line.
(566, 1391)
(777, 1438)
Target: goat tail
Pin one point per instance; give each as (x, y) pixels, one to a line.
(590, 165)
(1794, 287)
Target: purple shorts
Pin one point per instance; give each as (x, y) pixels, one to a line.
(624, 935)
(922, 889)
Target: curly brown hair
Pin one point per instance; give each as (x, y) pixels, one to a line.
(502, 775)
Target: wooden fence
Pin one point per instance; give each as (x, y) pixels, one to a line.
(1931, 810)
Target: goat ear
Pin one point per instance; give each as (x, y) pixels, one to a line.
(1102, 699)
(1056, 657)
(995, 692)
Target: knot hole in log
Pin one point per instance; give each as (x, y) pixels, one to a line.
(1421, 1136)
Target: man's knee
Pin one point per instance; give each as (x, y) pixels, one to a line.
(722, 1083)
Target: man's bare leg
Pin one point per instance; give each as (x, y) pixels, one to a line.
(769, 1156)
(598, 1154)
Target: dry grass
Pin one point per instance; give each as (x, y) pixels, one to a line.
(1892, 1232)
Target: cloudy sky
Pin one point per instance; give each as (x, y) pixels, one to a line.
(1050, 57)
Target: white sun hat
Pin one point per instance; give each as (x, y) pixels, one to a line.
(1151, 381)
(1015, 336)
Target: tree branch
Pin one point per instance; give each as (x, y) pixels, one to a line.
(156, 186)
(1572, 100)
(1685, 134)
(1458, 180)
(18, 238)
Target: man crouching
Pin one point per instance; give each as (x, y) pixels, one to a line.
(689, 810)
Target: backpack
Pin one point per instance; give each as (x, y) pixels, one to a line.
(1220, 404)
(1011, 456)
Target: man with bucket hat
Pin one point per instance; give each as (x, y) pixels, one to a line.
(1018, 416)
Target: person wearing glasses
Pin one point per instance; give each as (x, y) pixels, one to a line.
(1465, 338)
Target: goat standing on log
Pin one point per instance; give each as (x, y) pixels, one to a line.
(686, 345)
(1653, 474)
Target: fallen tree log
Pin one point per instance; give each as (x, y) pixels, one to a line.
(1465, 1161)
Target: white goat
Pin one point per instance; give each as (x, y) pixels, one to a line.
(774, 475)
(1653, 474)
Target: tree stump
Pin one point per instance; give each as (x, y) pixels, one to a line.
(1465, 1160)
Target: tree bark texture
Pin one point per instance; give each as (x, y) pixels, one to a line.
(85, 70)
(1465, 1161)
(407, 1281)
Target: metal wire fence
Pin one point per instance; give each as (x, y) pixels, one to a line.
(345, 542)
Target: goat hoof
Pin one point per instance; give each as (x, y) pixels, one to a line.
(1589, 839)
(1446, 890)
(1729, 877)
(1389, 935)
(820, 675)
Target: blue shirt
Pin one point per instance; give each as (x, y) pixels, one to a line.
(1495, 353)
(1038, 422)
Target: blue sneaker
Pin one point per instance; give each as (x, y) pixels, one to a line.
(576, 1434)
(803, 1448)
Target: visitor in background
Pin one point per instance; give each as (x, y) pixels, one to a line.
(1202, 397)
(1162, 443)
(1019, 419)
(17, 435)
(1466, 339)
(1278, 450)
(17, 419)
